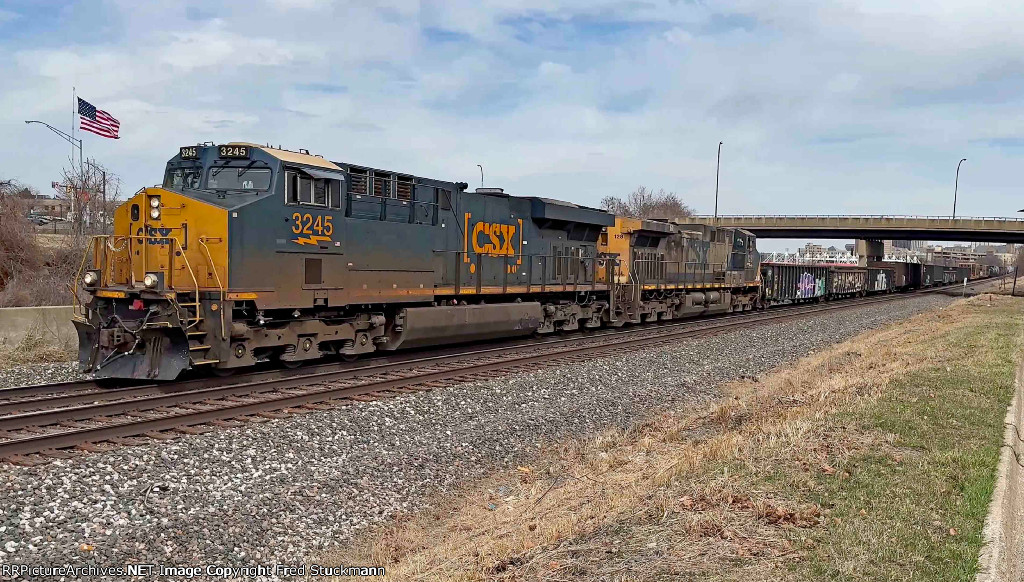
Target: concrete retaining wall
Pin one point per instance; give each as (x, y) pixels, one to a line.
(1002, 556)
(51, 323)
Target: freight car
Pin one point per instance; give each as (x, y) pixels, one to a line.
(793, 283)
(904, 276)
(787, 283)
(846, 282)
(881, 280)
(248, 254)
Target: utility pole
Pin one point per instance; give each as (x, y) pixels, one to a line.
(718, 168)
(103, 214)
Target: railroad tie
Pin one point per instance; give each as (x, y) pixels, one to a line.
(26, 460)
(127, 441)
(97, 447)
(193, 430)
(227, 423)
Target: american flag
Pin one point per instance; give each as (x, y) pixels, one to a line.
(96, 120)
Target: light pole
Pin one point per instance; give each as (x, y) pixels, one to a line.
(481, 175)
(74, 143)
(67, 137)
(956, 185)
(718, 168)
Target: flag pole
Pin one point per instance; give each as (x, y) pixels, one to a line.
(74, 110)
(80, 190)
(74, 187)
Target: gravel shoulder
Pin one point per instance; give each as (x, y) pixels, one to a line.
(49, 373)
(280, 491)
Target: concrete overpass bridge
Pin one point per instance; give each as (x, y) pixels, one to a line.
(878, 227)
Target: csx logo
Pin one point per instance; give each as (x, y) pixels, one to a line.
(493, 239)
(161, 233)
(496, 237)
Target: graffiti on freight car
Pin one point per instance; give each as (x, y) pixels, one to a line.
(881, 281)
(808, 286)
(847, 282)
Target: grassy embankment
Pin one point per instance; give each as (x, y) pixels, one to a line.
(38, 347)
(872, 460)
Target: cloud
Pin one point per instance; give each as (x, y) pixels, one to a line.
(823, 107)
(549, 69)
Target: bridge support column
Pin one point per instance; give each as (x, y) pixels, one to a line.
(869, 251)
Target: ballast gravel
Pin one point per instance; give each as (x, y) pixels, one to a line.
(40, 374)
(285, 490)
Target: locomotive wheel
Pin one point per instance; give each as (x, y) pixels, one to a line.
(349, 357)
(224, 372)
(291, 364)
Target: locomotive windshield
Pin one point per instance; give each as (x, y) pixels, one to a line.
(182, 178)
(238, 178)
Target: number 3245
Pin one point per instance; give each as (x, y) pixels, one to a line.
(307, 224)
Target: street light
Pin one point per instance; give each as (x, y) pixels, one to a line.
(67, 137)
(718, 168)
(956, 185)
(74, 143)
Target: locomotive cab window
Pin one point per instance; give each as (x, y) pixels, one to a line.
(302, 188)
(183, 177)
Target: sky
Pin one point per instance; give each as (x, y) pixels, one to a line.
(845, 107)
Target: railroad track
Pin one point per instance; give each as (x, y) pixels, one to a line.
(81, 415)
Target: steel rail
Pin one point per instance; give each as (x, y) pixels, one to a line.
(370, 365)
(86, 390)
(200, 401)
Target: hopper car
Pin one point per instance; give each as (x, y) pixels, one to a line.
(797, 283)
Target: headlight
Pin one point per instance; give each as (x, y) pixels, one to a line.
(90, 278)
(150, 280)
(154, 213)
(154, 201)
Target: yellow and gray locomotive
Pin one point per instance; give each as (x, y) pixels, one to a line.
(249, 253)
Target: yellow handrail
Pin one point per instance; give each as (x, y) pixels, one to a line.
(75, 303)
(131, 267)
(192, 274)
(216, 275)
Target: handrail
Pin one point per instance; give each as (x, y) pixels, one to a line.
(75, 303)
(216, 275)
(144, 238)
(675, 272)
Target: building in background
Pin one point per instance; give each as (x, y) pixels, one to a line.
(910, 245)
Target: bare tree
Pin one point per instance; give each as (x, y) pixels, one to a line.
(92, 193)
(645, 203)
(18, 247)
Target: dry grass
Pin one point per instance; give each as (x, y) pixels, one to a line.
(733, 491)
(35, 269)
(39, 346)
(1004, 285)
